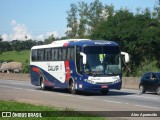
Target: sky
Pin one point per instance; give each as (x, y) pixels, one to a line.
(38, 19)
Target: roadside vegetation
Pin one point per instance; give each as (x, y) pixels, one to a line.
(23, 107)
(23, 57)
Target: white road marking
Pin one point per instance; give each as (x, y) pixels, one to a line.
(85, 97)
(16, 83)
(147, 107)
(139, 96)
(113, 101)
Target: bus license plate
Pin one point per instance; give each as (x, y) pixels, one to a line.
(104, 86)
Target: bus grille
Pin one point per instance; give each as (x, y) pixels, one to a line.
(104, 83)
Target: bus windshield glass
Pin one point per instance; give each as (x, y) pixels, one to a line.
(102, 60)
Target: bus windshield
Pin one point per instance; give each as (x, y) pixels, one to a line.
(102, 60)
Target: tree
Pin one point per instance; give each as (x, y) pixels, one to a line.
(16, 45)
(94, 14)
(83, 10)
(50, 39)
(72, 23)
(108, 11)
(137, 34)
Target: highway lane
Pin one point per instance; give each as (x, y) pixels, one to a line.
(123, 100)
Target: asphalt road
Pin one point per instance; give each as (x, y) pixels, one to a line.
(123, 100)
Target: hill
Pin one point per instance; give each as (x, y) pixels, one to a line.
(22, 56)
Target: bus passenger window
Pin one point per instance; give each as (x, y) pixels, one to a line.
(64, 53)
(56, 54)
(79, 60)
(60, 54)
(34, 55)
(72, 53)
(47, 54)
(40, 54)
(68, 54)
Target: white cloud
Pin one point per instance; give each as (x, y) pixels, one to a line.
(5, 37)
(20, 32)
(13, 22)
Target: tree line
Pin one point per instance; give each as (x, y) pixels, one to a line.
(137, 33)
(19, 45)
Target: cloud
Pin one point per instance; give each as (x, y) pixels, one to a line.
(5, 37)
(20, 32)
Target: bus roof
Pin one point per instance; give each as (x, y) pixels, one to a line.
(79, 42)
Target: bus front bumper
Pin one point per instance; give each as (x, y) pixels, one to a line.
(89, 86)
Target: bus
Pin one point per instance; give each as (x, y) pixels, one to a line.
(77, 65)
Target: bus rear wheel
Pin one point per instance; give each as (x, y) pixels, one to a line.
(72, 88)
(42, 84)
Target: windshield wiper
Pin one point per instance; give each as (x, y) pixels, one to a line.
(95, 75)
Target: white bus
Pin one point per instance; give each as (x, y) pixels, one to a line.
(77, 64)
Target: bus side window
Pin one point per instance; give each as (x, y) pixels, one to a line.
(41, 54)
(56, 54)
(34, 55)
(48, 54)
(59, 54)
(78, 60)
(68, 54)
(45, 54)
(72, 53)
(64, 53)
(52, 54)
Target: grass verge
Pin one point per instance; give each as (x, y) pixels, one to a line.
(22, 56)
(16, 106)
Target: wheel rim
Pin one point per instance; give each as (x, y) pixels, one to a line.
(141, 89)
(158, 90)
(42, 84)
(72, 88)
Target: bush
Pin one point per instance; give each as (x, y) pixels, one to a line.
(149, 66)
(26, 68)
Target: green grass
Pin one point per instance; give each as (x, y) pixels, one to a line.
(16, 106)
(15, 56)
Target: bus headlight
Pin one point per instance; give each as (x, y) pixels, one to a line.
(89, 81)
(116, 81)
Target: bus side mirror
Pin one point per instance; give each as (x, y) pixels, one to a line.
(84, 58)
(126, 56)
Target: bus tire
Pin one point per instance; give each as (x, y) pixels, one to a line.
(72, 87)
(42, 83)
(104, 91)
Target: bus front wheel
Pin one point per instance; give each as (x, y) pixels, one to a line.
(72, 87)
